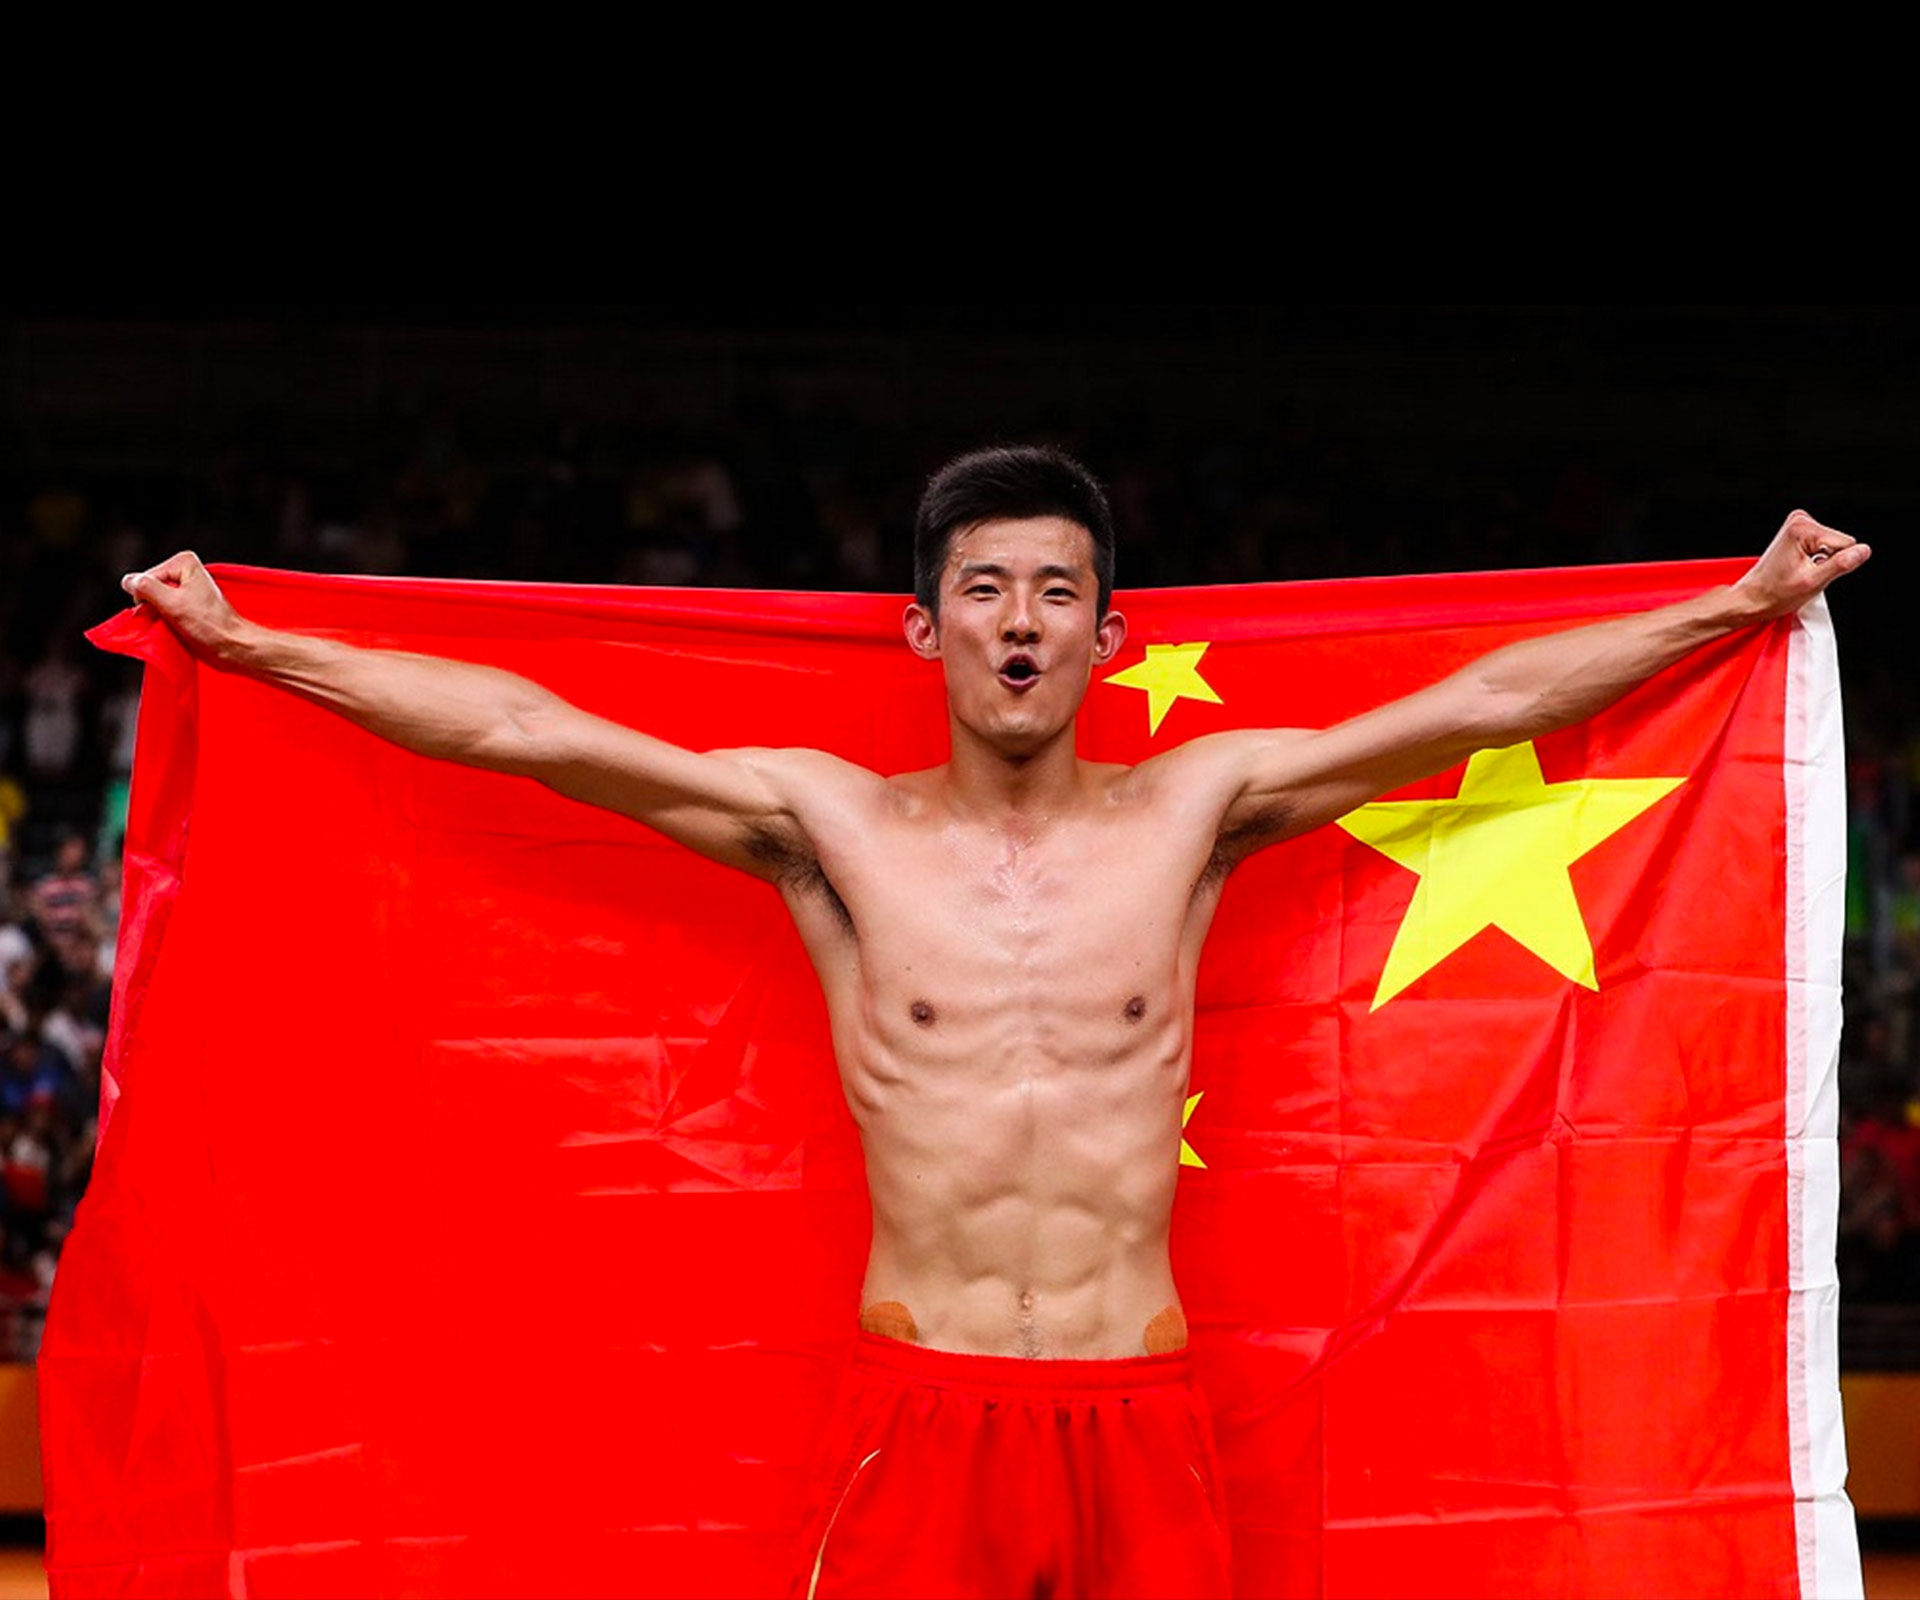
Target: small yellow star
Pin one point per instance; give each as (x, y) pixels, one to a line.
(1170, 672)
(1189, 1157)
(1496, 856)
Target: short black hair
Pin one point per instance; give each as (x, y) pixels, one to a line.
(1007, 481)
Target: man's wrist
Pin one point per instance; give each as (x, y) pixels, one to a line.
(1735, 606)
(243, 647)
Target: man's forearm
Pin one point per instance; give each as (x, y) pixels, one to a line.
(452, 710)
(1539, 685)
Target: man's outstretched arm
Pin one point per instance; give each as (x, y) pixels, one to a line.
(1286, 781)
(733, 806)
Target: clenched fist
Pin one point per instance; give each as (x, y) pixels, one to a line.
(1803, 559)
(183, 592)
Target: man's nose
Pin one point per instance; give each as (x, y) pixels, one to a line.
(1022, 621)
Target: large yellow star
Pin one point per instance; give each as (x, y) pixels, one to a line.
(1189, 1157)
(1496, 856)
(1170, 672)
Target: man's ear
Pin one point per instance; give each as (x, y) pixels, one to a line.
(923, 632)
(1107, 639)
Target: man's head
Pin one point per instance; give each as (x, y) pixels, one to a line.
(1007, 483)
(1015, 574)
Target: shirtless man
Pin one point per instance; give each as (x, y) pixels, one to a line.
(1008, 946)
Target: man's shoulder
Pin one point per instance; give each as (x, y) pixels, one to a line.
(809, 780)
(1200, 765)
(915, 796)
(798, 761)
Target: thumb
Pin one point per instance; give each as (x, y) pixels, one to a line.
(1853, 557)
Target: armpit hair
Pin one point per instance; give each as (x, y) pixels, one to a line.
(1235, 844)
(797, 868)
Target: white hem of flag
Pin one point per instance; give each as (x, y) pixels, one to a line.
(1815, 767)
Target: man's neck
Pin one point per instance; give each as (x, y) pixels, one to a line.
(985, 781)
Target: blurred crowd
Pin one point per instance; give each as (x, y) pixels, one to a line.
(1879, 1244)
(56, 971)
(765, 503)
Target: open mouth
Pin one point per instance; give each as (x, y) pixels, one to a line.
(1017, 672)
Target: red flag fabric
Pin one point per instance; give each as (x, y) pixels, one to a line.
(476, 1212)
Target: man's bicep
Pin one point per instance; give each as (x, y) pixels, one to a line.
(733, 806)
(1240, 786)
(1306, 777)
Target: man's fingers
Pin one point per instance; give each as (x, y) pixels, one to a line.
(1837, 563)
(175, 572)
(1803, 559)
(1821, 545)
(1853, 557)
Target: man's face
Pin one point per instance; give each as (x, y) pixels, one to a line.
(1019, 631)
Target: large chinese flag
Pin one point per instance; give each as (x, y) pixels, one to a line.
(477, 1214)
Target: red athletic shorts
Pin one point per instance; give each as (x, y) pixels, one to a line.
(952, 1475)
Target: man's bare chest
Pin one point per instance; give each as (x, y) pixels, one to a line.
(1066, 902)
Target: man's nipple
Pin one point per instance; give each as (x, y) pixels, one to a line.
(922, 1014)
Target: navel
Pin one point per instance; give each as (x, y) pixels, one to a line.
(1135, 1009)
(922, 1014)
